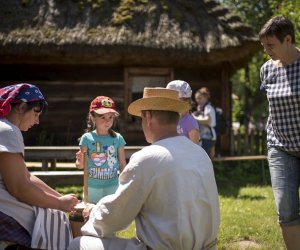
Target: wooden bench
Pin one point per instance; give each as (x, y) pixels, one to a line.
(50, 155)
(58, 178)
(47, 155)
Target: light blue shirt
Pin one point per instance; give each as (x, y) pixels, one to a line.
(103, 161)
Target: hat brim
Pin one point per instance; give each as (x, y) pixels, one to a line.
(158, 103)
(103, 111)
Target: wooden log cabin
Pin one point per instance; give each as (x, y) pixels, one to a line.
(76, 50)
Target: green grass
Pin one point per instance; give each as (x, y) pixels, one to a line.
(247, 214)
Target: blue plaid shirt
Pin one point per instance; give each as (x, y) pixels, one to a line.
(282, 86)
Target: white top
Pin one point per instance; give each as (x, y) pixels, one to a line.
(208, 131)
(12, 141)
(169, 189)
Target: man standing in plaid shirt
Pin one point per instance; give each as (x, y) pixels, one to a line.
(280, 79)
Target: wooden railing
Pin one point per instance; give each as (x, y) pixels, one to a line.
(243, 147)
(52, 155)
(248, 143)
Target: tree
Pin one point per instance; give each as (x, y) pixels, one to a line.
(290, 9)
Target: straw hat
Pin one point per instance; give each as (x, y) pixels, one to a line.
(158, 99)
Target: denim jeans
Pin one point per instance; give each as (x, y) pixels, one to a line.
(207, 145)
(285, 177)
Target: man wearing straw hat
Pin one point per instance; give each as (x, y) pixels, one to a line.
(168, 188)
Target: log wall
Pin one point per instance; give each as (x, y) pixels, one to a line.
(69, 90)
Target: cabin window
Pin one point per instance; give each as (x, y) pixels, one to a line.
(136, 79)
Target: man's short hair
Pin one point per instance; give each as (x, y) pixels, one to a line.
(164, 117)
(280, 27)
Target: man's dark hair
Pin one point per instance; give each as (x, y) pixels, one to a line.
(280, 27)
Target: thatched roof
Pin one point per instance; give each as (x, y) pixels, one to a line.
(123, 32)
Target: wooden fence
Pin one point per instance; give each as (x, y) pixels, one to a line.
(54, 156)
(244, 147)
(50, 154)
(242, 144)
(248, 144)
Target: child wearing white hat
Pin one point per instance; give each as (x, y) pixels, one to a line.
(187, 124)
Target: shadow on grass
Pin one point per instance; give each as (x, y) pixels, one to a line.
(251, 197)
(232, 176)
(228, 188)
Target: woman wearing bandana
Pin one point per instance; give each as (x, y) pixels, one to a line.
(26, 202)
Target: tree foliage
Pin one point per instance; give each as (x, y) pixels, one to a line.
(245, 83)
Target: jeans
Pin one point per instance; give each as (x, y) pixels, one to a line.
(207, 145)
(285, 177)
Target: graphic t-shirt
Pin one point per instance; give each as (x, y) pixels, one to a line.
(103, 162)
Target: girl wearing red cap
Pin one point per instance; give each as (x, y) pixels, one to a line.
(104, 147)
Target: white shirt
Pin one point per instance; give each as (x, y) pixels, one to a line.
(12, 141)
(169, 189)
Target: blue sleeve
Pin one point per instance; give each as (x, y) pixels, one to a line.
(83, 140)
(121, 140)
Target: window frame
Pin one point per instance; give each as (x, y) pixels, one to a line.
(131, 72)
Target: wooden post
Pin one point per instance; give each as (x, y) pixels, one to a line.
(45, 165)
(76, 216)
(226, 105)
(85, 178)
(53, 164)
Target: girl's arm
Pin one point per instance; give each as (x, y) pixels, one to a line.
(203, 119)
(79, 157)
(122, 158)
(28, 188)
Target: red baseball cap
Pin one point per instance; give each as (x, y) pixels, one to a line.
(102, 105)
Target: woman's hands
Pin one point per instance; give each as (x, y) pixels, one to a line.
(30, 189)
(67, 202)
(86, 211)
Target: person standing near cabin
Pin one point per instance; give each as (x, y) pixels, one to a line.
(206, 116)
(25, 200)
(280, 79)
(174, 203)
(104, 147)
(187, 124)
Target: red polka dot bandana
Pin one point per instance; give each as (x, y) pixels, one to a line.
(17, 93)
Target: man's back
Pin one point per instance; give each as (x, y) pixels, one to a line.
(180, 201)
